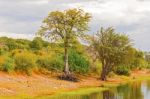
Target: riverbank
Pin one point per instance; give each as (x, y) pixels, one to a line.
(12, 85)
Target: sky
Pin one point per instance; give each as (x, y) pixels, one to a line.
(22, 18)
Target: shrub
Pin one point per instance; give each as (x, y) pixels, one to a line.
(8, 65)
(2, 51)
(78, 63)
(25, 62)
(96, 67)
(122, 70)
(51, 63)
(16, 51)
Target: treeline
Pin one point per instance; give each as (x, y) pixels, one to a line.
(19, 55)
(106, 53)
(39, 56)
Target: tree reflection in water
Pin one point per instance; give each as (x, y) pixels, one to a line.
(108, 95)
(135, 90)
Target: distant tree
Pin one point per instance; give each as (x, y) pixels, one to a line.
(139, 61)
(37, 43)
(65, 26)
(147, 57)
(12, 44)
(110, 48)
(134, 59)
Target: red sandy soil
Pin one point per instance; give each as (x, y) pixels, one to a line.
(38, 84)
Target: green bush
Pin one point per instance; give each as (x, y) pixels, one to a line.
(96, 67)
(51, 63)
(2, 51)
(122, 70)
(8, 65)
(25, 62)
(78, 63)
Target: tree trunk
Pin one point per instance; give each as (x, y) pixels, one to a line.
(103, 74)
(66, 68)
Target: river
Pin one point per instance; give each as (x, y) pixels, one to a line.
(134, 90)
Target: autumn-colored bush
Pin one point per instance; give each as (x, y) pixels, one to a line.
(25, 62)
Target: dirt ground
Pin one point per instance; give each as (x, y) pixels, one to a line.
(38, 84)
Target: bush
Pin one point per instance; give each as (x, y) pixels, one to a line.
(51, 63)
(122, 70)
(2, 51)
(78, 63)
(25, 62)
(96, 67)
(16, 51)
(8, 65)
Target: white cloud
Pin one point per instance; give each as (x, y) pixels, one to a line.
(16, 35)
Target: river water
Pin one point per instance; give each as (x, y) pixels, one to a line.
(135, 90)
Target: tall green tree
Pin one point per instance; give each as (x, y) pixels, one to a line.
(110, 48)
(65, 26)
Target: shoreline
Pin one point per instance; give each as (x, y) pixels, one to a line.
(41, 85)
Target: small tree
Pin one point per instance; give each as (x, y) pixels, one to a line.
(65, 26)
(37, 43)
(110, 48)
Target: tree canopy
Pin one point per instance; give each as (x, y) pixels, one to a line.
(110, 47)
(65, 26)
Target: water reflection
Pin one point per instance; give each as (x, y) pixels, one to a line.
(136, 90)
(108, 95)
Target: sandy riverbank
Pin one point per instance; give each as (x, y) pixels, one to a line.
(38, 84)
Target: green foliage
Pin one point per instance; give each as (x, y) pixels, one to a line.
(38, 43)
(110, 48)
(2, 51)
(96, 67)
(12, 44)
(8, 65)
(25, 62)
(54, 63)
(66, 29)
(65, 26)
(78, 63)
(122, 70)
(134, 59)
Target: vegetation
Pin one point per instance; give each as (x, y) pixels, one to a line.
(65, 26)
(110, 48)
(109, 53)
(25, 62)
(78, 63)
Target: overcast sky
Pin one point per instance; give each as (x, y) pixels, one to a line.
(22, 18)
